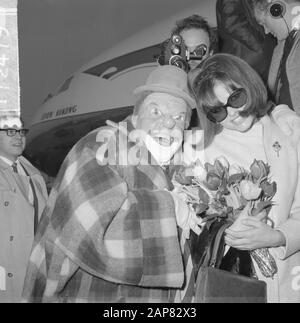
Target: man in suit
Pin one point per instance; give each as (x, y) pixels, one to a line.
(282, 19)
(22, 198)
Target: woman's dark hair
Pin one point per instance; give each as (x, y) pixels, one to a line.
(234, 73)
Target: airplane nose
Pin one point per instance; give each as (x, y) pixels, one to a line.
(169, 122)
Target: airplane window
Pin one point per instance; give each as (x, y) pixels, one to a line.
(66, 85)
(48, 97)
(111, 70)
(121, 63)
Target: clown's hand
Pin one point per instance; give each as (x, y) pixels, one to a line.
(186, 217)
(288, 121)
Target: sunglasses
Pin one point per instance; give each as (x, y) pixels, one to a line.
(11, 132)
(236, 100)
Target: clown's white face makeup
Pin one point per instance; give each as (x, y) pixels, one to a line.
(162, 119)
(11, 147)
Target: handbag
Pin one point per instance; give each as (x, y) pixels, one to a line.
(213, 283)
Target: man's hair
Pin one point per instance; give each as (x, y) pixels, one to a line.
(192, 22)
(234, 73)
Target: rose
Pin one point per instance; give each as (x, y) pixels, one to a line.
(217, 168)
(233, 199)
(269, 189)
(216, 172)
(213, 181)
(259, 170)
(249, 190)
(224, 162)
(184, 176)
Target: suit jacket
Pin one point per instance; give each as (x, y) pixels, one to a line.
(292, 70)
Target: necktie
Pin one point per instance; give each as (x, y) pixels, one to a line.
(14, 167)
(286, 51)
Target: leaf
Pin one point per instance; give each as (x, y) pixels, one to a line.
(209, 167)
(269, 189)
(243, 201)
(200, 208)
(262, 205)
(209, 222)
(223, 187)
(182, 179)
(203, 196)
(210, 217)
(219, 168)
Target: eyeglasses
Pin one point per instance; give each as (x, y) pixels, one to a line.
(11, 132)
(236, 100)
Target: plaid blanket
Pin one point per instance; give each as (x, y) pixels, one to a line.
(108, 234)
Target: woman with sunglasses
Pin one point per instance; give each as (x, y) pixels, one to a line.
(232, 106)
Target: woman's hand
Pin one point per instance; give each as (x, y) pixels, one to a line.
(259, 235)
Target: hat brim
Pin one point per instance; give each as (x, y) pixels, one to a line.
(164, 89)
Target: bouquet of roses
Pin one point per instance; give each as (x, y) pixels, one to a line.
(231, 192)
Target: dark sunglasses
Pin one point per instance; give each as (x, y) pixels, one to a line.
(236, 100)
(11, 132)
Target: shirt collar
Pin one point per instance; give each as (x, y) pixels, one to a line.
(296, 23)
(7, 161)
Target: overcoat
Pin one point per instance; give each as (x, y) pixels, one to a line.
(17, 226)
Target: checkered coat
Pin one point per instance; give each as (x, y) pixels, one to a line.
(108, 233)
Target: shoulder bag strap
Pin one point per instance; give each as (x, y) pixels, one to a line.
(218, 248)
